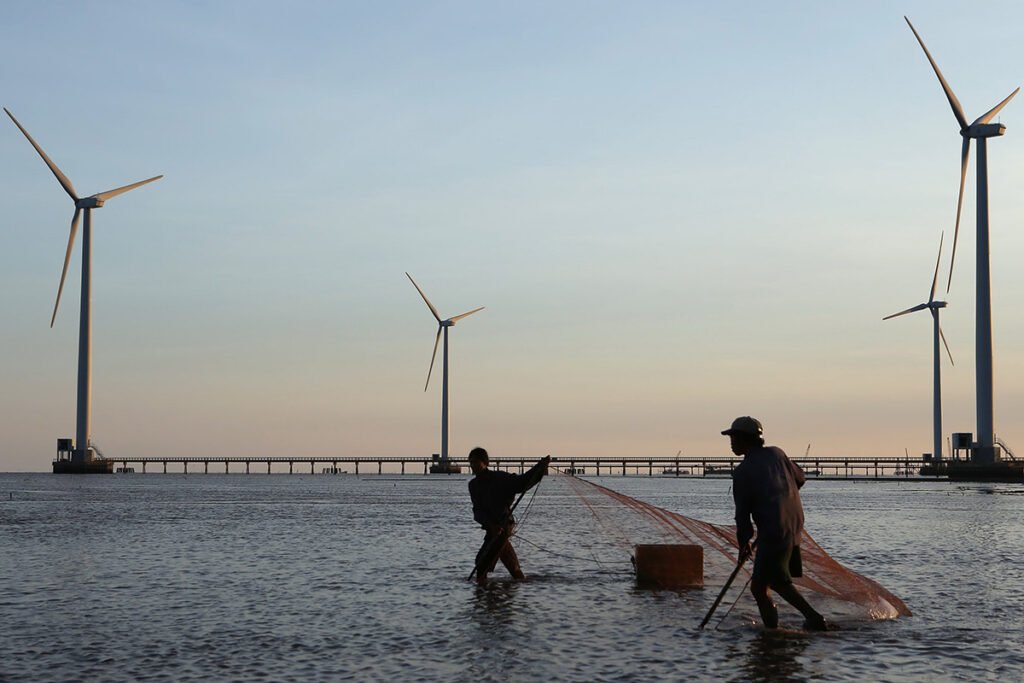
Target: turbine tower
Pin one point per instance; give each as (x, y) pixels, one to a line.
(980, 130)
(934, 306)
(83, 452)
(441, 325)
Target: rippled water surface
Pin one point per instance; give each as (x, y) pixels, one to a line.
(303, 577)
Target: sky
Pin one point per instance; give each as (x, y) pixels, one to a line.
(675, 213)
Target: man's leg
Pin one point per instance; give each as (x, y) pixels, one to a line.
(793, 567)
(813, 621)
(487, 556)
(765, 559)
(510, 560)
(765, 605)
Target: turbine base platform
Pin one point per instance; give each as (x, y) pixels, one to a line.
(960, 470)
(445, 468)
(993, 471)
(97, 466)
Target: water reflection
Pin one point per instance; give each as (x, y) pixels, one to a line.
(492, 608)
(772, 656)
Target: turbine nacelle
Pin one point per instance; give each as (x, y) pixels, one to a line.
(89, 203)
(984, 130)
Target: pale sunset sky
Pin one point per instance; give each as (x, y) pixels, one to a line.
(674, 212)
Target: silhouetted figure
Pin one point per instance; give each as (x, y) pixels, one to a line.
(766, 488)
(492, 493)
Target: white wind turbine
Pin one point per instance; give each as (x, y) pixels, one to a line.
(934, 306)
(979, 130)
(441, 325)
(83, 450)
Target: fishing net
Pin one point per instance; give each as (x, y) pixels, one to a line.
(624, 522)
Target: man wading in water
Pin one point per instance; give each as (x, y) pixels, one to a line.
(492, 493)
(766, 487)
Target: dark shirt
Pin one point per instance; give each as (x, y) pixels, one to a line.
(766, 487)
(493, 491)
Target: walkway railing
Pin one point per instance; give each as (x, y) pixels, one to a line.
(671, 466)
(1006, 448)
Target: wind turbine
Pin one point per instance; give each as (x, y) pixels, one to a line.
(934, 306)
(441, 325)
(979, 130)
(83, 450)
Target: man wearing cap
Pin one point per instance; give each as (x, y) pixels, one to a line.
(766, 488)
(492, 492)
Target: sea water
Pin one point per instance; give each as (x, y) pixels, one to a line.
(133, 577)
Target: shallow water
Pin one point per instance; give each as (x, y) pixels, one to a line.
(303, 577)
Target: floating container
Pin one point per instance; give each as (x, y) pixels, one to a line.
(667, 565)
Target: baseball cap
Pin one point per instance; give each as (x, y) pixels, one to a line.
(744, 425)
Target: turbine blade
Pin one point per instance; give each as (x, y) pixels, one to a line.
(429, 305)
(935, 278)
(463, 315)
(61, 178)
(67, 260)
(988, 116)
(958, 111)
(110, 194)
(914, 309)
(433, 357)
(965, 154)
(943, 337)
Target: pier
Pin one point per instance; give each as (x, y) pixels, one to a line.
(667, 466)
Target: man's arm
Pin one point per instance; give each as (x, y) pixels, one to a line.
(479, 512)
(798, 474)
(530, 479)
(741, 497)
